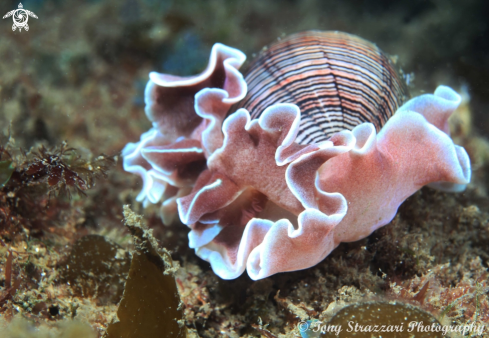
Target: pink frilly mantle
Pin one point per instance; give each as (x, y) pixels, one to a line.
(253, 198)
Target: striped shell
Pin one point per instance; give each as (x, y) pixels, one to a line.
(338, 81)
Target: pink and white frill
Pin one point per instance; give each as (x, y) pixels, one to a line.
(254, 198)
(187, 114)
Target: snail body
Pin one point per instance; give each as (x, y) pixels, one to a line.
(314, 146)
(338, 81)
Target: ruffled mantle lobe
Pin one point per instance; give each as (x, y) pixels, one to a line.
(187, 114)
(267, 204)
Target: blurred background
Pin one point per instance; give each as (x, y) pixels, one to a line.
(79, 73)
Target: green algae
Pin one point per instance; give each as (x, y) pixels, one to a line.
(150, 306)
(97, 267)
(22, 328)
(6, 170)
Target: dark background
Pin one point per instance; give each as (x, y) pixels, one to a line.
(437, 41)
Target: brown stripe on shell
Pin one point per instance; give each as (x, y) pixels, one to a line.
(338, 81)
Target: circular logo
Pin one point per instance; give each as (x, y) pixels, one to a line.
(303, 326)
(20, 17)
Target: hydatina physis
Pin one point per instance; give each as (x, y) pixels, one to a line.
(313, 147)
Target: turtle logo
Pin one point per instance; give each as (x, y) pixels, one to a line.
(20, 17)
